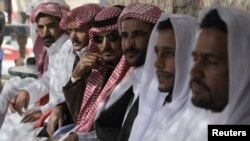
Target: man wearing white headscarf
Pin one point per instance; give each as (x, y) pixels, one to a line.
(165, 87)
(46, 14)
(135, 25)
(220, 84)
(219, 77)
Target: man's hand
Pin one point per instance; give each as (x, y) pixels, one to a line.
(19, 102)
(72, 137)
(32, 116)
(86, 63)
(56, 119)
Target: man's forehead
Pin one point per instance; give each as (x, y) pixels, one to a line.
(211, 41)
(72, 24)
(47, 20)
(134, 24)
(103, 33)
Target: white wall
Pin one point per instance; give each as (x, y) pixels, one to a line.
(75, 3)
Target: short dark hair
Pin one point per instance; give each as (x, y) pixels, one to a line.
(166, 24)
(213, 20)
(40, 15)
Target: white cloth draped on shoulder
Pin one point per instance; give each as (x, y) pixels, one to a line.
(237, 110)
(151, 109)
(36, 89)
(192, 126)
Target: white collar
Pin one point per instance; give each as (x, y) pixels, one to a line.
(82, 51)
(137, 80)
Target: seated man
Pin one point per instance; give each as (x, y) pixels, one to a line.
(101, 65)
(47, 20)
(170, 46)
(78, 26)
(219, 76)
(135, 25)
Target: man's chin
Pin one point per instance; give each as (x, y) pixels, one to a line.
(200, 103)
(164, 89)
(78, 48)
(47, 45)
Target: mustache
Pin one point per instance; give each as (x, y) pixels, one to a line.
(106, 49)
(48, 37)
(165, 73)
(75, 41)
(198, 81)
(131, 49)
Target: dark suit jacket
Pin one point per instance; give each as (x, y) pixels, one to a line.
(109, 123)
(73, 93)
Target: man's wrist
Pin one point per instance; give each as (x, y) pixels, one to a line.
(74, 79)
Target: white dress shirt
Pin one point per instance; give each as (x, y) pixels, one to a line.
(46, 84)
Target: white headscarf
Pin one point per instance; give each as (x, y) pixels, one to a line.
(193, 123)
(238, 25)
(152, 115)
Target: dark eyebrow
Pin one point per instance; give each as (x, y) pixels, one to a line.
(168, 48)
(124, 33)
(51, 23)
(138, 31)
(207, 55)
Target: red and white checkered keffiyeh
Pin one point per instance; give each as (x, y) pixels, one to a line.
(53, 9)
(93, 95)
(81, 15)
(49, 8)
(144, 12)
(41, 57)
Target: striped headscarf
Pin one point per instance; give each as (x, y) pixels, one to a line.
(53, 9)
(105, 20)
(80, 15)
(144, 12)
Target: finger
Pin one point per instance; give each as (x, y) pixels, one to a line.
(26, 104)
(51, 129)
(49, 126)
(19, 107)
(60, 122)
(28, 118)
(94, 55)
(13, 100)
(12, 108)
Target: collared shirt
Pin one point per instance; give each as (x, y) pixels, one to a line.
(136, 83)
(136, 89)
(67, 57)
(46, 84)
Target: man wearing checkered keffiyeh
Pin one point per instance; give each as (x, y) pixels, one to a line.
(50, 13)
(103, 78)
(77, 22)
(135, 25)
